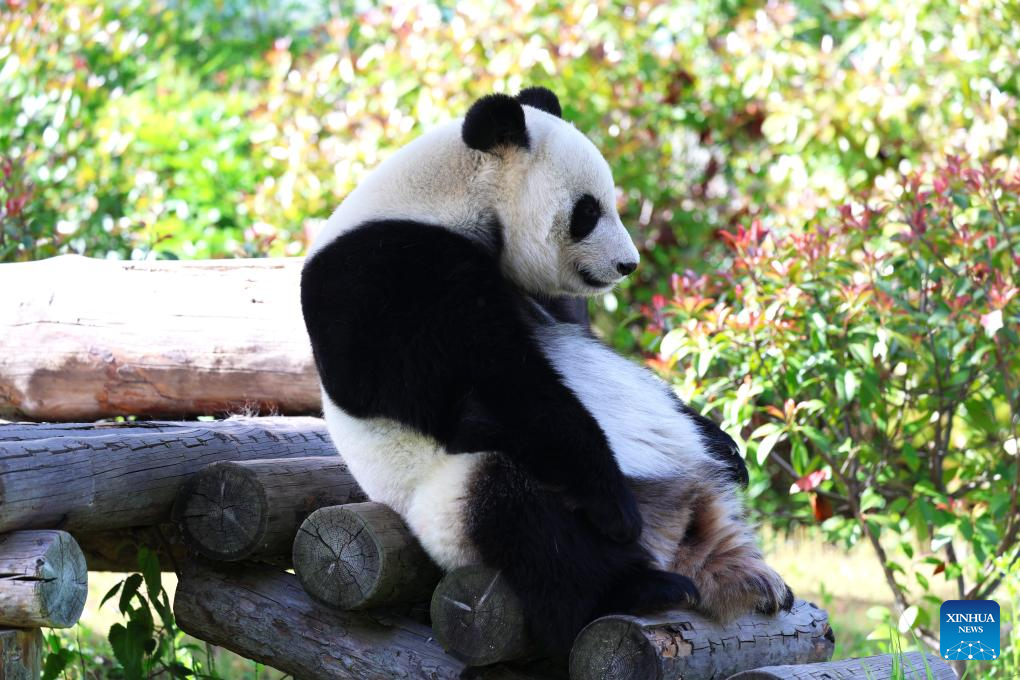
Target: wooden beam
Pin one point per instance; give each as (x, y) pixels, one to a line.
(43, 580)
(912, 666)
(182, 338)
(236, 510)
(683, 645)
(129, 476)
(362, 556)
(263, 614)
(21, 653)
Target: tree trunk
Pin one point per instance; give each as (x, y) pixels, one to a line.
(263, 614)
(235, 510)
(477, 618)
(683, 645)
(130, 475)
(43, 580)
(21, 654)
(911, 667)
(362, 556)
(181, 339)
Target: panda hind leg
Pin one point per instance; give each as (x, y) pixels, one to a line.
(565, 571)
(720, 553)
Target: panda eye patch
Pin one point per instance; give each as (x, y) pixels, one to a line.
(585, 216)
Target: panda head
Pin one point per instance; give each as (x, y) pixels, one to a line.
(553, 194)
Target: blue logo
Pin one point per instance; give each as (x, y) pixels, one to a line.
(969, 630)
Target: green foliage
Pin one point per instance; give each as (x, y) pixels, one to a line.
(187, 128)
(871, 363)
(147, 644)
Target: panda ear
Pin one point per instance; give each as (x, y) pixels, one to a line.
(541, 99)
(495, 120)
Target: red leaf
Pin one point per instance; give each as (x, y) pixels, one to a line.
(821, 507)
(811, 481)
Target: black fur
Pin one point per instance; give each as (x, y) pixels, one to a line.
(584, 217)
(541, 99)
(719, 444)
(567, 309)
(565, 571)
(495, 120)
(416, 323)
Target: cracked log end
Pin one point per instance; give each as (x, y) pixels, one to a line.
(43, 580)
(477, 618)
(222, 512)
(683, 644)
(361, 556)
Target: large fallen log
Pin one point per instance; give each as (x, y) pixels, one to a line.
(43, 580)
(130, 475)
(241, 509)
(262, 613)
(362, 556)
(682, 645)
(912, 666)
(182, 339)
(21, 653)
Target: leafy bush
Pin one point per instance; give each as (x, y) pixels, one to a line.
(871, 362)
(186, 128)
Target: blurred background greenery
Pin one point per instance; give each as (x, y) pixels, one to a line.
(824, 193)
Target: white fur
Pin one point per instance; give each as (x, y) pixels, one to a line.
(650, 438)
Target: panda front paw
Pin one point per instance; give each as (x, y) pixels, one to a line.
(615, 515)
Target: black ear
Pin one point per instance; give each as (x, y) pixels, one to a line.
(541, 99)
(495, 120)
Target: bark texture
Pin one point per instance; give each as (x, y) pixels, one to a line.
(477, 618)
(362, 556)
(21, 654)
(43, 580)
(238, 510)
(129, 476)
(118, 550)
(263, 614)
(682, 645)
(912, 667)
(184, 338)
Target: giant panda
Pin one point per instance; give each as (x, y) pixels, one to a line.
(463, 393)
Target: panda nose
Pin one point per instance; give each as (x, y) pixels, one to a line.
(626, 268)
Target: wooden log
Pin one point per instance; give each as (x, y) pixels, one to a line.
(235, 510)
(683, 645)
(262, 613)
(885, 667)
(477, 618)
(184, 338)
(43, 580)
(130, 476)
(21, 654)
(118, 550)
(362, 556)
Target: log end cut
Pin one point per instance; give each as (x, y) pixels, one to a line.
(222, 512)
(361, 556)
(477, 618)
(43, 580)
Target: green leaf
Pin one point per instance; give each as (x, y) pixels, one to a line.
(766, 446)
(131, 585)
(111, 592)
(148, 563)
(56, 662)
(128, 644)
